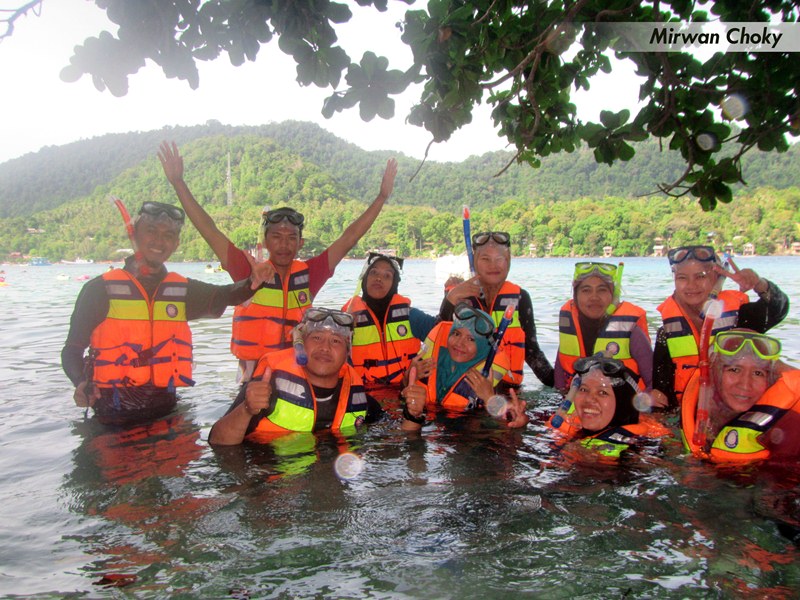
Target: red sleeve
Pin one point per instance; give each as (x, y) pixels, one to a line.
(238, 267)
(318, 272)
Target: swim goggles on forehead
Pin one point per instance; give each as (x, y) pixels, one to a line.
(397, 263)
(483, 323)
(610, 367)
(318, 315)
(498, 237)
(156, 209)
(699, 253)
(281, 214)
(585, 268)
(730, 343)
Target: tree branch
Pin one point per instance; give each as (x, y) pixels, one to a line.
(16, 13)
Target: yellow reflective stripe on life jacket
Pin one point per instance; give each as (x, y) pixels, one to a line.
(604, 447)
(624, 346)
(738, 440)
(162, 311)
(364, 335)
(128, 310)
(291, 416)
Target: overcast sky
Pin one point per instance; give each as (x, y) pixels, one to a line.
(38, 109)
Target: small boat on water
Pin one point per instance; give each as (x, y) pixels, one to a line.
(38, 261)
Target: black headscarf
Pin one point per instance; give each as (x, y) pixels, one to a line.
(379, 306)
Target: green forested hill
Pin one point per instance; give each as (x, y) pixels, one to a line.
(56, 202)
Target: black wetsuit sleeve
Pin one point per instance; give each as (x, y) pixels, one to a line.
(534, 355)
(91, 308)
(664, 369)
(209, 300)
(446, 310)
(762, 315)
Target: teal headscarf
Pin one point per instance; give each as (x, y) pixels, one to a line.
(448, 371)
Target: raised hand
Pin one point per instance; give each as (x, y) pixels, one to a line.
(747, 279)
(387, 183)
(260, 272)
(257, 394)
(471, 288)
(515, 411)
(171, 161)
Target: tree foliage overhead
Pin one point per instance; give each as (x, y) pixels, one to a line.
(508, 53)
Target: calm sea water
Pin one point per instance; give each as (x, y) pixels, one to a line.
(463, 510)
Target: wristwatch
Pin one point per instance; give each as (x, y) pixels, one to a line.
(420, 420)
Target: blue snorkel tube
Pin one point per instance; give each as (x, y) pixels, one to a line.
(468, 239)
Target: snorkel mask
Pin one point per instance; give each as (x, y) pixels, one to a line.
(336, 321)
(158, 212)
(737, 345)
(272, 217)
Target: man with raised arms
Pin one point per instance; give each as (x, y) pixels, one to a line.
(266, 324)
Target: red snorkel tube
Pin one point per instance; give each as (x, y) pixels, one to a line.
(126, 218)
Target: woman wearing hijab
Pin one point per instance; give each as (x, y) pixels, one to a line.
(388, 330)
(699, 276)
(606, 418)
(457, 352)
(594, 318)
(755, 409)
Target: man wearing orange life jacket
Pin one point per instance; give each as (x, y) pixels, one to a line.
(594, 318)
(755, 410)
(491, 292)
(698, 274)
(388, 329)
(285, 396)
(266, 323)
(135, 321)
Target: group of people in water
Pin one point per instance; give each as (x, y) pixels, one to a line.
(309, 368)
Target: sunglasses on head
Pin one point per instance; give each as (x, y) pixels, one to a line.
(281, 214)
(730, 343)
(585, 268)
(483, 324)
(156, 209)
(699, 253)
(317, 315)
(499, 237)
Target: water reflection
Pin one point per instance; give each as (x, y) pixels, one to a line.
(464, 509)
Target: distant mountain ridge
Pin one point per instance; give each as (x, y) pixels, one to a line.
(57, 175)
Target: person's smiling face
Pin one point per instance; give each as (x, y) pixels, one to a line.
(492, 263)
(595, 402)
(694, 281)
(461, 345)
(743, 383)
(593, 296)
(156, 240)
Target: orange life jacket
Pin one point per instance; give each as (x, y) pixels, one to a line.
(753, 435)
(617, 328)
(265, 322)
(141, 340)
(683, 339)
(295, 406)
(381, 354)
(460, 396)
(513, 344)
